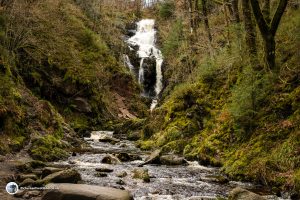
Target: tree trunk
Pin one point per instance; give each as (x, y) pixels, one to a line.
(266, 11)
(268, 32)
(206, 22)
(250, 31)
(269, 50)
(235, 9)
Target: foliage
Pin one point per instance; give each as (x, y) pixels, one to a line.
(173, 40)
(166, 9)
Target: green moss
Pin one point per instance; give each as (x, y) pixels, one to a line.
(48, 148)
(146, 145)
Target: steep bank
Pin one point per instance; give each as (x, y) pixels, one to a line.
(216, 109)
(61, 71)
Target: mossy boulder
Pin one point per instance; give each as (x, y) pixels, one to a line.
(65, 176)
(140, 173)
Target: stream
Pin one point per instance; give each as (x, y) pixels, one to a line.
(182, 182)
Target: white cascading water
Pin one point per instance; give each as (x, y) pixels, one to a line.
(145, 40)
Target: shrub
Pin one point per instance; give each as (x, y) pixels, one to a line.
(166, 9)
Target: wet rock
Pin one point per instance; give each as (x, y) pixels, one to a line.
(20, 194)
(216, 179)
(82, 105)
(74, 154)
(65, 176)
(107, 138)
(84, 192)
(242, 194)
(50, 170)
(120, 182)
(22, 177)
(172, 160)
(143, 174)
(134, 135)
(27, 182)
(37, 164)
(110, 159)
(122, 174)
(30, 194)
(72, 162)
(125, 157)
(149, 65)
(38, 172)
(104, 170)
(101, 174)
(153, 158)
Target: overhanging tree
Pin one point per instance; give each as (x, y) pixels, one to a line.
(268, 30)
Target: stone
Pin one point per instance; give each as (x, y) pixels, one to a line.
(22, 177)
(143, 174)
(37, 164)
(50, 170)
(120, 182)
(82, 105)
(20, 194)
(242, 194)
(27, 182)
(84, 192)
(30, 194)
(104, 170)
(153, 158)
(125, 157)
(107, 138)
(65, 176)
(101, 174)
(172, 160)
(110, 159)
(215, 179)
(122, 174)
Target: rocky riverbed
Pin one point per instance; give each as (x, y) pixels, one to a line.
(113, 168)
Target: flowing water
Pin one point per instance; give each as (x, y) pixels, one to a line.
(145, 38)
(181, 182)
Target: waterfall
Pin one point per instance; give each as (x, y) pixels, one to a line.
(128, 63)
(145, 38)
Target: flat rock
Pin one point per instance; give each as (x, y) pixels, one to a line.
(65, 176)
(172, 160)
(125, 157)
(242, 194)
(67, 191)
(22, 177)
(50, 170)
(107, 170)
(27, 182)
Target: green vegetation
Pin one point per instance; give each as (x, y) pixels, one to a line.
(220, 110)
(59, 77)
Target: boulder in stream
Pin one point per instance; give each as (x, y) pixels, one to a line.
(107, 170)
(143, 174)
(68, 191)
(242, 194)
(107, 138)
(153, 158)
(110, 159)
(65, 176)
(125, 157)
(172, 160)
